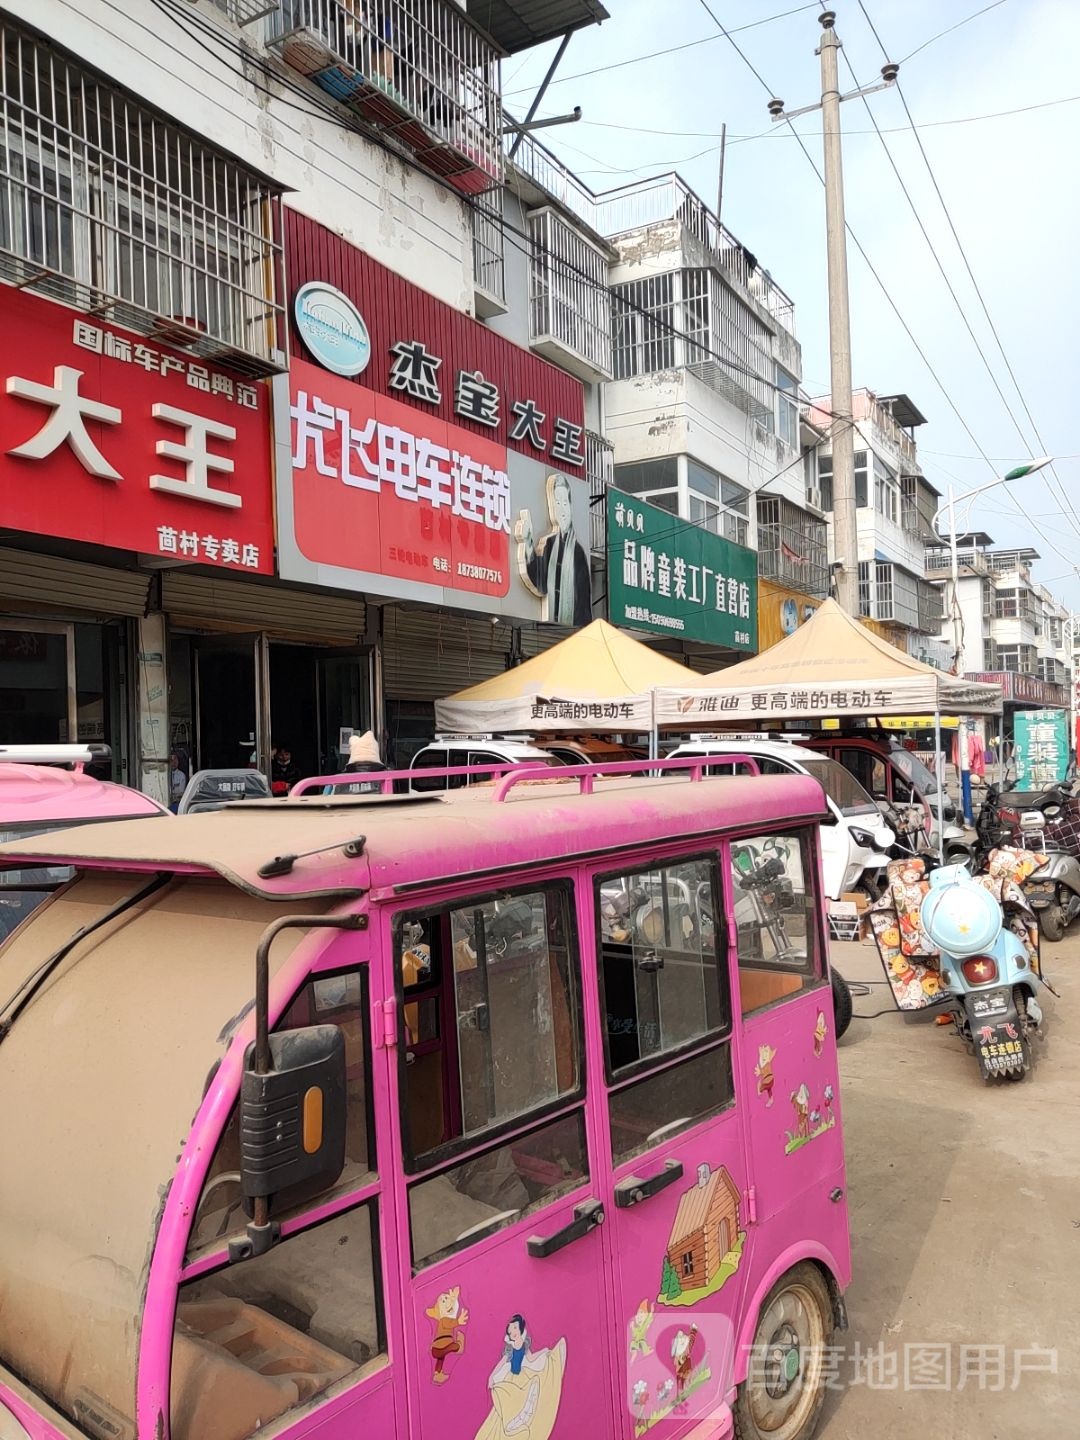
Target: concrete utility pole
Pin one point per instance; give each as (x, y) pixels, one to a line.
(845, 535)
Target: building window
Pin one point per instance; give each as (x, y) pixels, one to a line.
(865, 607)
(988, 597)
(886, 493)
(990, 655)
(643, 321)
(825, 480)
(487, 229)
(654, 480)
(824, 477)
(787, 408)
(106, 204)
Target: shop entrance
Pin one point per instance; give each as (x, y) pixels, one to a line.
(227, 702)
(239, 700)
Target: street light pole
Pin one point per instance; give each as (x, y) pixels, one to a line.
(962, 756)
(845, 514)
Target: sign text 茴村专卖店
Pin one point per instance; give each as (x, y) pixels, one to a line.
(672, 577)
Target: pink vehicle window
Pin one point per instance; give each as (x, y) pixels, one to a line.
(665, 994)
(324, 1000)
(491, 1044)
(254, 1340)
(776, 917)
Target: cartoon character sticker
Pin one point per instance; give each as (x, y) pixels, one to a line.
(810, 1119)
(639, 1331)
(705, 1243)
(764, 1072)
(821, 1031)
(682, 1353)
(450, 1318)
(525, 1387)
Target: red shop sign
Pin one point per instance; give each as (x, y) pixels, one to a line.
(440, 360)
(387, 499)
(113, 439)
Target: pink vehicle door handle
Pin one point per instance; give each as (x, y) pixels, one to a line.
(634, 1189)
(587, 1216)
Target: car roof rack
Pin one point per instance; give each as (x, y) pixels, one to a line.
(84, 754)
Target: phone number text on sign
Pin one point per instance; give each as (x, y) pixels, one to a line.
(383, 488)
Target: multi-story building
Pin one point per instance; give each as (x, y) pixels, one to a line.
(703, 408)
(895, 506)
(265, 476)
(1012, 630)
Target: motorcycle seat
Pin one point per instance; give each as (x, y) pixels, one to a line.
(1029, 799)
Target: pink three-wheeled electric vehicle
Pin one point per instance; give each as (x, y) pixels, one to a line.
(506, 1114)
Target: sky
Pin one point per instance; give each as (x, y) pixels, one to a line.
(1009, 184)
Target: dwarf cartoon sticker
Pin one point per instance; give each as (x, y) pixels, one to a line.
(705, 1244)
(639, 1331)
(764, 1072)
(682, 1351)
(450, 1318)
(811, 1120)
(525, 1387)
(821, 1031)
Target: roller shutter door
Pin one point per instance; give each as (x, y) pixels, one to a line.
(205, 602)
(431, 653)
(30, 582)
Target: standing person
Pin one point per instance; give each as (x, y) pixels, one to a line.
(177, 780)
(557, 567)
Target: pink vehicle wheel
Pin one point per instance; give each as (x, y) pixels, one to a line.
(784, 1389)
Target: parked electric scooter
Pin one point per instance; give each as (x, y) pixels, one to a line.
(986, 971)
(1043, 821)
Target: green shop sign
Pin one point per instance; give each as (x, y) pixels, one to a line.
(673, 578)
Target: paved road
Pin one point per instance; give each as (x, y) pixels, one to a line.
(965, 1208)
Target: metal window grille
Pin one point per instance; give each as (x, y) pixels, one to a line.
(600, 473)
(643, 324)
(864, 588)
(488, 255)
(930, 607)
(109, 207)
(988, 595)
(991, 657)
(792, 546)
(570, 300)
(395, 59)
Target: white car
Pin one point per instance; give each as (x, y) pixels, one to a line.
(852, 845)
(450, 751)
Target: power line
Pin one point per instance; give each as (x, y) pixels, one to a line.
(774, 133)
(1070, 510)
(919, 48)
(671, 50)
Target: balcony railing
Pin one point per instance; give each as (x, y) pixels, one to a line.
(548, 171)
(417, 68)
(668, 197)
(570, 301)
(106, 206)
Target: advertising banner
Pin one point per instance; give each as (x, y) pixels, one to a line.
(116, 440)
(1042, 747)
(386, 498)
(671, 577)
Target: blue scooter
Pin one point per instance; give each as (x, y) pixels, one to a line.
(986, 971)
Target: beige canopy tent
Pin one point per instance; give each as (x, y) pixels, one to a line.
(596, 679)
(831, 665)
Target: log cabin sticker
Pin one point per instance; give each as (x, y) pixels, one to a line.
(705, 1244)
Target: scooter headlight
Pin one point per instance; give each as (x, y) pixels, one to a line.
(980, 970)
